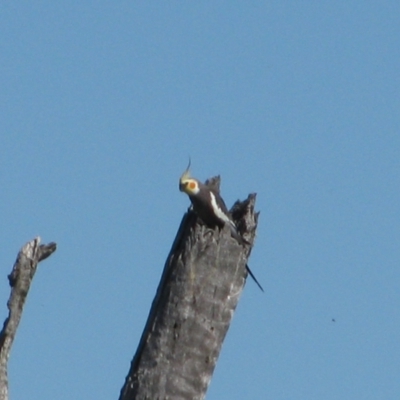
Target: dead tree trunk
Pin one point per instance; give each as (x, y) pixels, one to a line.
(20, 280)
(199, 290)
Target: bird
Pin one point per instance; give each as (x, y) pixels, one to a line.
(208, 204)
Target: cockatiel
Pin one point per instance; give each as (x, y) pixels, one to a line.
(210, 207)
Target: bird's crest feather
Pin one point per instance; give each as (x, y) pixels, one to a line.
(186, 174)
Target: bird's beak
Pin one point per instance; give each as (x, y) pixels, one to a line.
(182, 187)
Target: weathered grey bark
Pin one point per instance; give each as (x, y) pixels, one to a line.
(20, 280)
(199, 290)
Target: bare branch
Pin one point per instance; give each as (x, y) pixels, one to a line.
(20, 280)
(199, 290)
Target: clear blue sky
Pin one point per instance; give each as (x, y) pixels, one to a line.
(101, 105)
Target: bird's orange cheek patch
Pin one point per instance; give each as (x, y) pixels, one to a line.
(192, 185)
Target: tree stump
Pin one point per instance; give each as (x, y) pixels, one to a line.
(199, 290)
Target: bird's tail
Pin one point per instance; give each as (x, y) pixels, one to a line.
(254, 278)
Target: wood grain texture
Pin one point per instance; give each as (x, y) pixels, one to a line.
(20, 280)
(198, 293)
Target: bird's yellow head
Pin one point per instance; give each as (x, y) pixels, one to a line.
(188, 185)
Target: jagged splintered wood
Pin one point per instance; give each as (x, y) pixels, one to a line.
(20, 280)
(199, 290)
